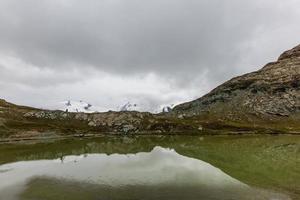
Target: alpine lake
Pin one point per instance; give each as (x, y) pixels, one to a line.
(152, 167)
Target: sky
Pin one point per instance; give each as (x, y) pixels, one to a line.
(158, 52)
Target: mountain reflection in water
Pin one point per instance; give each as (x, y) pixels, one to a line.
(159, 174)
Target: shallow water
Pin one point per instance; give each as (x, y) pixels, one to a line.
(170, 167)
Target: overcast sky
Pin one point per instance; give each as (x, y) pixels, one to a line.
(150, 52)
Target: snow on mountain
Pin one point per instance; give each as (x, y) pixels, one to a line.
(81, 106)
(167, 108)
(76, 106)
(144, 108)
(131, 107)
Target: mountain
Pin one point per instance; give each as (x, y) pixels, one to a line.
(84, 107)
(269, 93)
(265, 101)
(76, 106)
(166, 108)
(130, 107)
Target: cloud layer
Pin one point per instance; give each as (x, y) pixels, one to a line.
(106, 49)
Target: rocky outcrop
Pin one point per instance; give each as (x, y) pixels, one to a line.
(272, 91)
(110, 121)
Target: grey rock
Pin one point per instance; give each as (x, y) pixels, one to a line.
(128, 128)
(92, 123)
(200, 128)
(180, 116)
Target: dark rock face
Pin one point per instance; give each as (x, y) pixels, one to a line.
(273, 90)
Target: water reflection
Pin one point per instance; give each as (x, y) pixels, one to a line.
(159, 174)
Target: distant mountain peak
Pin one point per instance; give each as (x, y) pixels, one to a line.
(130, 107)
(168, 108)
(76, 106)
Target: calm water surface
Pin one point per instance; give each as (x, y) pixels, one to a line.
(169, 167)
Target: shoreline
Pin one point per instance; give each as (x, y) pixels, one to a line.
(37, 139)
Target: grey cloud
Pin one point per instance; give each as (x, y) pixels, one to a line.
(191, 44)
(168, 37)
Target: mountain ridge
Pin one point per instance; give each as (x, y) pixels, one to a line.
(272, 90)
(264, 101)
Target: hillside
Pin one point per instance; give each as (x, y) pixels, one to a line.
(22, 123)
(269, 94)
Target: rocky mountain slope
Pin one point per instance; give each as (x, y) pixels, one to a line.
(265, 101)
(273, 91)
